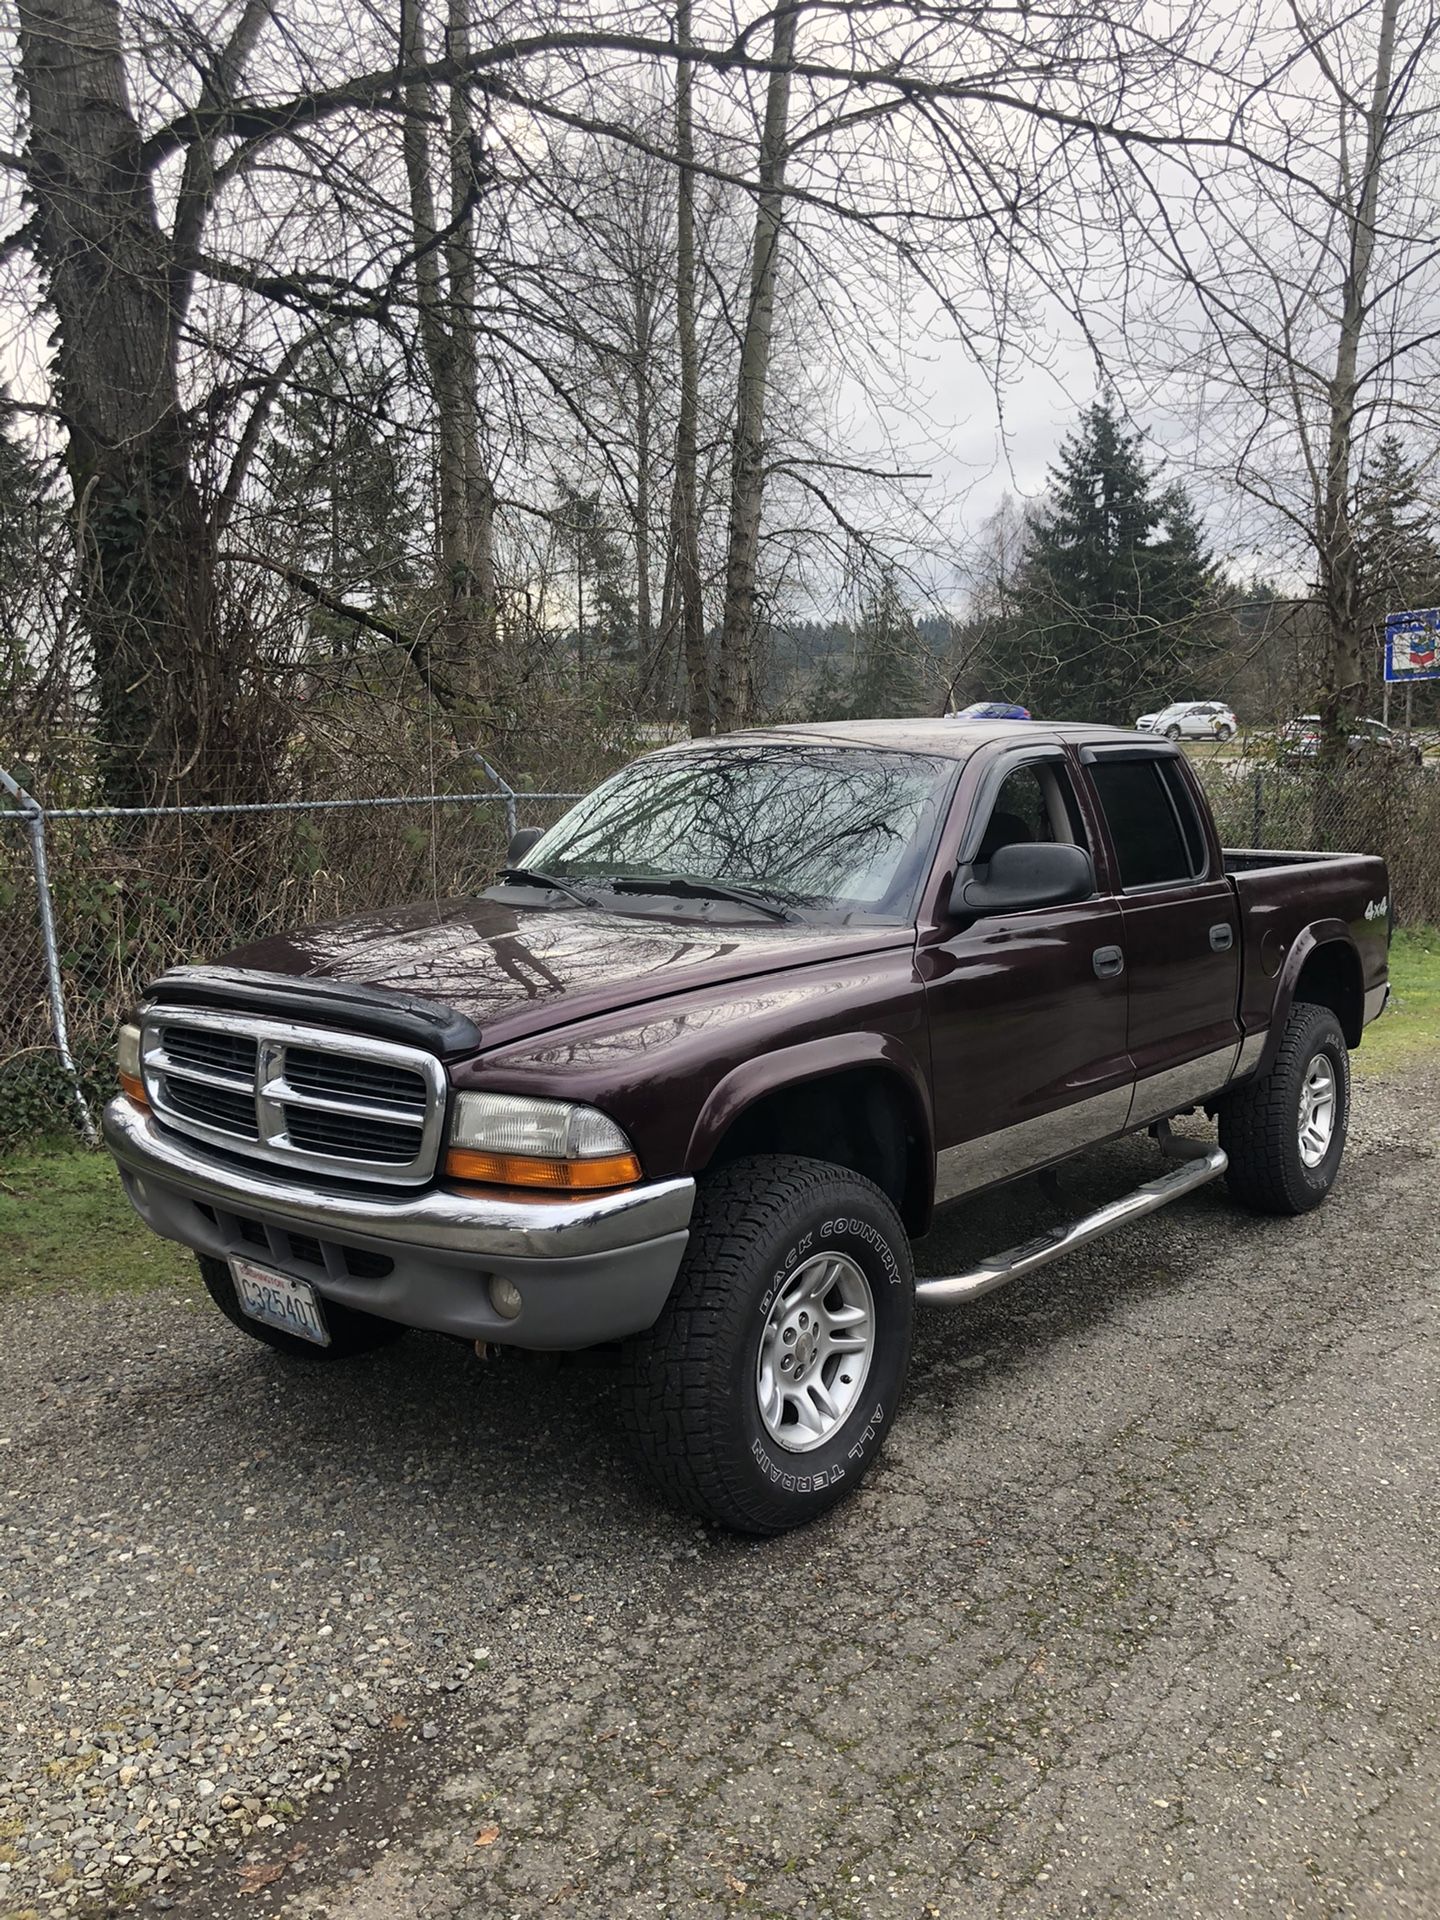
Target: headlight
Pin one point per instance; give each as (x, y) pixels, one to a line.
(127, 1063)
(506, 1140)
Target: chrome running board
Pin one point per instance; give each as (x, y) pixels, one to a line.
(1199, 1166)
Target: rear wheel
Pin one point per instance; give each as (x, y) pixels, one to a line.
(350, 1332)
(1224, 731)
(1285, 1132)
(762, 1395)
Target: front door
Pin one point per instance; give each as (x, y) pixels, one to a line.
(1181, 931)
(1028, 1009)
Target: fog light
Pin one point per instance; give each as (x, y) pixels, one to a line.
(505, 1297)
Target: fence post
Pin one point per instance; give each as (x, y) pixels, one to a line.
(1257, 817)
(507, 793)
(34, 815)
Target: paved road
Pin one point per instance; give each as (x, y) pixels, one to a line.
(1139, 1616)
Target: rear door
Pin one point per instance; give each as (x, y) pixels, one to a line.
(1027, 1009)
(1181, 927)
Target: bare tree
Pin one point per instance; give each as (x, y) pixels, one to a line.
(323, 180)
(445, 306)
(1303, 267)
(120, 285)
(748, 463)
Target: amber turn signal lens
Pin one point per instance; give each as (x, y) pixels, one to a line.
(560, 1176)
(134, 1089)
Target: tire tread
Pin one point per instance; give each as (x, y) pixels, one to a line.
(1257, 1122)
(670, 1410)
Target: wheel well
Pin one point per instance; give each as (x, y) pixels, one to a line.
(862, 1118)
(1330, 977)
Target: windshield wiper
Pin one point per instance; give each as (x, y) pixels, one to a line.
(532, 877)
(688, 889)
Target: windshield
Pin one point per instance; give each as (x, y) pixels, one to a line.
(824, 826)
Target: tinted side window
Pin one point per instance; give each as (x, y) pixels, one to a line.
(1036, 802)
(1184, 803)
(1148, 841)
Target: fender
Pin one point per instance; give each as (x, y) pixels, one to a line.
(807, 1062)
(1320, 933)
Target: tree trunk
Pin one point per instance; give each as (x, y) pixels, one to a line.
(644, 613)
(747, 476)
(464, 496)
(690, 588)
(1343, 668)
(165, 686)
(478, 511)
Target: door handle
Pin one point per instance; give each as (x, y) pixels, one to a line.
(1222, 938)
(1108, 962)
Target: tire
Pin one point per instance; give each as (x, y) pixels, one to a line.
(766, 1233)
(1172, 732)
(351, 1332)
(1261, 1124)
(1224, 733)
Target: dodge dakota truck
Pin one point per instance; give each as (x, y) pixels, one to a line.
(690, 1077)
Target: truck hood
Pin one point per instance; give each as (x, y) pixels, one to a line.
(514, 972)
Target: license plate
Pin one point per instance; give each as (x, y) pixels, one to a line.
(280, 1301)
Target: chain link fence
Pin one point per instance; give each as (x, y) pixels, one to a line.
(1386, 801)
(95, 902)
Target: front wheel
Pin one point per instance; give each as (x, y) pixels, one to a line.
(763, 1393)
(1285, 1132)
(1172, 732)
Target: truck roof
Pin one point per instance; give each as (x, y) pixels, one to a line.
(948, 738)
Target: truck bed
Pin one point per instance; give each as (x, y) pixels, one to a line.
(1289, 900)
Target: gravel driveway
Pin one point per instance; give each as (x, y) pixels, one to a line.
(1138, 1615)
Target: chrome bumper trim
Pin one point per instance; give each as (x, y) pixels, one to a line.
(471, 1223)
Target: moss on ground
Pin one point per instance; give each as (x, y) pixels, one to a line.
(1410, 1026)
(65, 1222)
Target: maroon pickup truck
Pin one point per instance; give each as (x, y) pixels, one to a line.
(695, 1071)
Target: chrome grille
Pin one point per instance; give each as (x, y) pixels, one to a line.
(360, 1080)
(303, 1097)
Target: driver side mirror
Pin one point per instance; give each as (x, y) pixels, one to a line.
(520, 845)
(1039, 874)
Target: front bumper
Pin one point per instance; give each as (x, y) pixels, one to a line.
(588, 1269)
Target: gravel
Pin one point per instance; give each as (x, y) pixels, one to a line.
(1139, 1613)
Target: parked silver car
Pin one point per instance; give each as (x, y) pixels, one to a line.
(1191, 720)
(1300, 740)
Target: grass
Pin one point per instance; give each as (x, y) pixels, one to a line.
(1410, 1025)
(64, 1221)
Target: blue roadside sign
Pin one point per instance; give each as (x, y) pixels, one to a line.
(1410, 650)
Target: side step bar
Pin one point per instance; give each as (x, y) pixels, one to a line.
(1197, 1169)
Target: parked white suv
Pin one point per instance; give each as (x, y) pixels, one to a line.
(1191, 720)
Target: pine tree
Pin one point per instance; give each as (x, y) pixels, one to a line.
(347, 496)
(1397, 552)
(886, 679)
(1117, 599)
(30, 517)
(1395, 535)
(605, 602)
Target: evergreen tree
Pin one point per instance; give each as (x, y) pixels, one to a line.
(886, 679)
(1395, 536)
(1117, 597)
(604, 578)
(348, 498)
(1397, 553)
(30, 521)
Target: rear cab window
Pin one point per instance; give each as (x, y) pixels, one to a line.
(1154, 826)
